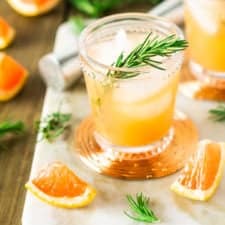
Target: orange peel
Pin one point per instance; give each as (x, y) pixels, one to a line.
(12, 77)
(33, 7)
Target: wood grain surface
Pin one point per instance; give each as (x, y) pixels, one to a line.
(34, 38)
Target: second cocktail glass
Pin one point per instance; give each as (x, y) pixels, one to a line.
(205, 29)
(133, 113)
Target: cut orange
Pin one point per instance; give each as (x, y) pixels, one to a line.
(201, 175)
(12, 77)
(7, 33)
(32, 7)
(57, 185)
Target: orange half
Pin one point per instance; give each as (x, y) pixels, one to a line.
(58, 185)
(202, 174)
(7, 33)
(12, 77)
(32, 7)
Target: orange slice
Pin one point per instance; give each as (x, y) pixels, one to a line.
(57, 185)
(201, 175)
(12, 77)
(32, 7)
(7, 33)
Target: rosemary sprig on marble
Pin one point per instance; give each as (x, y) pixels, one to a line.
(218, 113)
(7, 127)
(144, 53)
(53, 125)
(140, 208)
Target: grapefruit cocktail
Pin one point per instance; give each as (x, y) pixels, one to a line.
(129, 110)
(205, 29)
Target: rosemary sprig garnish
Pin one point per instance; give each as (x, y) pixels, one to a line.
(145, 52)
(7, 127)
(141, 209)
(218, 113)
(53, 125)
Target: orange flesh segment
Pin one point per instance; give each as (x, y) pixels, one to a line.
(11, 73)
(59, 181)
(200, 172)
(36, 2)
(4, 28)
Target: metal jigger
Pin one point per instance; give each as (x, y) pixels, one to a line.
(60, 73)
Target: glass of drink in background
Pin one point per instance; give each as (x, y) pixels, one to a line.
(205, 29)
(135, 112)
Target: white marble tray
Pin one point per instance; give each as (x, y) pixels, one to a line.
(110, 202)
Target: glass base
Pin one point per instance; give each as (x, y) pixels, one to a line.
(209, 77)
(170, 153)
(154, 148)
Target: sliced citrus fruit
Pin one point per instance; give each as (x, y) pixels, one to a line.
(32, 7)
(7, 33)
(201, 175)
(57, 185)
(12, 77)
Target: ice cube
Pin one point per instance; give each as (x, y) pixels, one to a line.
(147, 109)
(133, 90)
(206, 13)
(121, 41)
(102, 52)
(108, 51)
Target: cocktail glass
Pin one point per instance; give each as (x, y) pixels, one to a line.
(205, 29)
(136, 113)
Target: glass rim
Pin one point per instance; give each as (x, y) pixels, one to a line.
(117, 17)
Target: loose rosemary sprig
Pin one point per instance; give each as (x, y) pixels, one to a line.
(145, 52)
(141, 209)
(218, 113)
(11, 127)
(53, 125)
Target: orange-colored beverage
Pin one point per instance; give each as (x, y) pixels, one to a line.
(205, 29)
(128, 118)
(134, 111)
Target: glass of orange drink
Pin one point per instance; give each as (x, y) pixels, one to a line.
(133, 113)
(205, 29)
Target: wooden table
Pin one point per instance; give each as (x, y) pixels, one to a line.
(34, 38)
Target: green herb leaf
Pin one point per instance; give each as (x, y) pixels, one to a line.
(77, 23)
(11, 127)
(140, 209)
(218, 113)
(154, 2)
(53, 125)
(96, 8)
(85, 6)
(145, 52)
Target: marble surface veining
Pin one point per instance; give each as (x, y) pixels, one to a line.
(110, 201)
